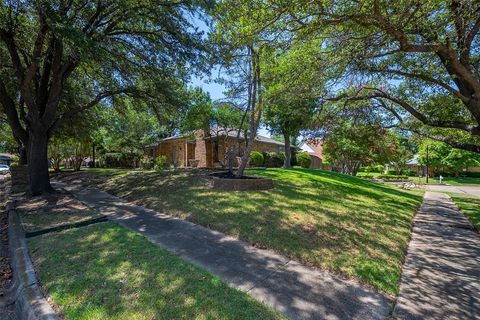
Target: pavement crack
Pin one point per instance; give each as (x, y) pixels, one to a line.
(268, 275)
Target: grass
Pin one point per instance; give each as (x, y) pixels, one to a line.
(104, 271)
(454, 181)
(39, 213)
(33, 222)
(345, 224)
(461, 181)
(469, 206)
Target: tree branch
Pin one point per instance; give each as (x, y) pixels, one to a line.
(12, 116)
(98, 98)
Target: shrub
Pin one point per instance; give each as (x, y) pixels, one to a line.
(367, 176)
(391, 172)
(274, 159)
(256, 159)
(121, 160)
(472, 174)
(370, 169)
(147, 162)
(112, 160)
(304, 159)
(392, 177)
(408, 172)
(160, 163)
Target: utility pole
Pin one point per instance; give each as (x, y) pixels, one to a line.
(427, 163)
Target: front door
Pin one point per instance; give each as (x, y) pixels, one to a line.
(174, 155)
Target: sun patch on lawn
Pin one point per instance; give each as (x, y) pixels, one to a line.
(104, 271)
(344, 224)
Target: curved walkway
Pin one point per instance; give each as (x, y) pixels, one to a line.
(441, 275)
(298, 291)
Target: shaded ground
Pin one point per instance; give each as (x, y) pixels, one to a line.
(52, 210)
(103, 271)
(6, 311)
(344, 224)
(441, 275)
(298, 291)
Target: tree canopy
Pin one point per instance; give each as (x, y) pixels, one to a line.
(59, 58)
(418, 60)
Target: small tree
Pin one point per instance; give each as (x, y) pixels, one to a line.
(56, 153)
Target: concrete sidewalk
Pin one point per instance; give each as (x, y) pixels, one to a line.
(298, 291)
(441, 275)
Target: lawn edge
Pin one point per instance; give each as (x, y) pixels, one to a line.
(30, 303)
(461, 195)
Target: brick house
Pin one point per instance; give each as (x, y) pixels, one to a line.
(314, 147)
(198, 149)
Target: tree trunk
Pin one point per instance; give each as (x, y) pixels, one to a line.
(253, 98)
(38, 163)
(22, 151)
(288, 152)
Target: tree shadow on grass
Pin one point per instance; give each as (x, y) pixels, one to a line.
(107, 272)
(345, 224)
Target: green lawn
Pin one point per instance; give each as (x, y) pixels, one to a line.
(461, 181)
(469, 206)
(104, 271)
(454, 181)
(341, 223)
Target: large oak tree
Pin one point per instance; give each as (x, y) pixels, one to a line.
(59, 58)
(422, 56)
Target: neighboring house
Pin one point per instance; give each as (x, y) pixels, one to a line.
(5, 158)
(413, 164)
(207, 150)
(314, 147)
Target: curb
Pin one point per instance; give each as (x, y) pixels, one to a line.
(30, 304)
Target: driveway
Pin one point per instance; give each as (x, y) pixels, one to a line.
(470, 190)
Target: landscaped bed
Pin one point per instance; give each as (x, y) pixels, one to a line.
(348, 225)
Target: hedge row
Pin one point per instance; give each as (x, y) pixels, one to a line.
(277, 159)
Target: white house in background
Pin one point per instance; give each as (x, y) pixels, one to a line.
(314, 147)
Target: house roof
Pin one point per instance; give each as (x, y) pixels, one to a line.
(215, 132)
(312, 146)
(414, 160)
(172, 138)
(233, 133)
